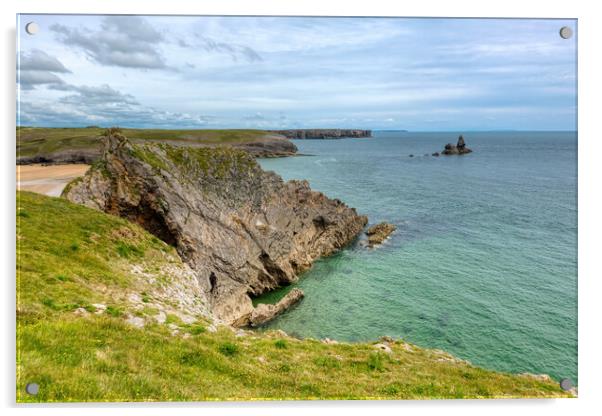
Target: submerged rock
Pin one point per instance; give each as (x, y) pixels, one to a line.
(459, 149)
(264, 312)
(379, 233)
(243, 231)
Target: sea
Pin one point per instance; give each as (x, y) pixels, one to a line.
(483, 263)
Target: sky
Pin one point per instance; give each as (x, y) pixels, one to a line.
(296, 72)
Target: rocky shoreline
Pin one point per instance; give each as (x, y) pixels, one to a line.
(242, 230)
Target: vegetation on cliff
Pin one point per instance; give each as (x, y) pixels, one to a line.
(104, 314)
(69, 145)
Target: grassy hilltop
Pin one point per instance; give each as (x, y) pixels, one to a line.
(32, 141)
(77, 273)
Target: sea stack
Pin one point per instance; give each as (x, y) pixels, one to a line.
(459, 149)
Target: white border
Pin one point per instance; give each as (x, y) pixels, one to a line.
(590, 207)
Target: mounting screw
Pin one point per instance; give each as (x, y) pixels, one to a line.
(566, 32)
(566, 384)
(32, 28)
(32, 388)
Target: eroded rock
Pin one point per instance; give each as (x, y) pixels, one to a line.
(265, 312)
(379, 233)
(242, 231)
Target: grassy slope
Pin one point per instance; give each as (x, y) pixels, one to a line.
(40, 141)
(70, 256)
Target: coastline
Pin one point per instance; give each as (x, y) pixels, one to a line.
(325, 341)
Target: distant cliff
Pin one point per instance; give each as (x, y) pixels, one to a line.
(323, 133)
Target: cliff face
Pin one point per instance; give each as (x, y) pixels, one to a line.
(242, 230)
(323, 133)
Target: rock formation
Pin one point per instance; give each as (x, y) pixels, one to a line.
(242, 230)
(379, 232)
(323, 133)
(264, 312)
(459, 149)
(269, 146)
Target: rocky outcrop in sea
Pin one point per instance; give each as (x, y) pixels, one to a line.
(459, 149)
(379, 233)
(243, 231)
(323, 133)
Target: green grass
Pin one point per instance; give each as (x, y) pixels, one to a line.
(39, 141)
(100, 357)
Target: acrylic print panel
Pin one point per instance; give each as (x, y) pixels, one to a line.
(259, 208)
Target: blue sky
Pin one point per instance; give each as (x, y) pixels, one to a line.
(276, 72)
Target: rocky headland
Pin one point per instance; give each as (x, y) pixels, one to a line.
(458, 149)
(318, 134)
(54, 146)
(243, 231)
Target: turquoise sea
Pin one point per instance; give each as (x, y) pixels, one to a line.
(483, 263)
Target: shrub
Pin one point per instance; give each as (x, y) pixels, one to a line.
(197, 329)
(128, 250)
(284, 368)
(281, 344)
(375, 362)
(49, 303)
(114, 311)
(228, 349)
(327, 362)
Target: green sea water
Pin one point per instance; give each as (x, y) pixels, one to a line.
(484, 260)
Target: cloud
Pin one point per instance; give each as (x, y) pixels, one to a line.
(36, 67)
(235, 51)
(30, 79)
(37, 60)
(85, 95)
(101, 105)
(124, 41)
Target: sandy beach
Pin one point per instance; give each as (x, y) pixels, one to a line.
(48, 180)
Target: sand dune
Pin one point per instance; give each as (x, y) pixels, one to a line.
(48, 180)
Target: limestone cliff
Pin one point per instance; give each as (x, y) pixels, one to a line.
(323, 133)
(244, 231)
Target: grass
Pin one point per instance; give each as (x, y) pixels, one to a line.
(100, 357)
(217, 162)
(39, 141)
